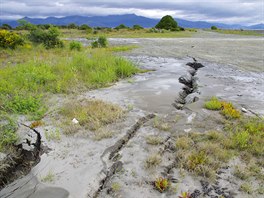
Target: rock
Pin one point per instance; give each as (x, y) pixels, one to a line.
(191, 98)
(75, 121)
(195, 65)
(186, 80)
(178, 106)
(244, 110)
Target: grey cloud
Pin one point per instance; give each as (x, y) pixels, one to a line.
(242, 11)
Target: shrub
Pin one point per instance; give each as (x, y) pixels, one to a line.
(10, 39)
(137, 27)
(49, 38)
(74, 45)
(167, 23)
(213, 28)
(100, 42)
(95, 44)
(121, 26)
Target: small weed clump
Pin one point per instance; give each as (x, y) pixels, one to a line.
(75, 45)
(116, 187)
(92, 114)
(53, 135)
(185, 195)
(229, 111)
(159, 124)
(227, 108)
(153, 161)
(154, 140)
(213, 104)
(36, 124)
(48, 178)
(161, 184)
(247, 188)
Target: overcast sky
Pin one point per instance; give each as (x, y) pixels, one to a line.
(226, 11)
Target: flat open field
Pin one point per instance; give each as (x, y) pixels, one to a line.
(154, 134)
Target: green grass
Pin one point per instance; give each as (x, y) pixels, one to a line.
(122, 48)
(239, 32)
(227, 108)
(204, 153)
(8, 134)
(213, 104)
(125, 33)
(25, 82)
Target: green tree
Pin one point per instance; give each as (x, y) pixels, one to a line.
(72, 26)
(167, 23)
(6, 27)
(121, 26)
(213, 28)
(137, 27)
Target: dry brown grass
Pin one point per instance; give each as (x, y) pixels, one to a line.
(92, 114)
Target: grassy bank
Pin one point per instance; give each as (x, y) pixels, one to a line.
(27, 76)
(126, 33)
(239, 32)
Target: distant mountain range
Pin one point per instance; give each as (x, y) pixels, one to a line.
(128, 20)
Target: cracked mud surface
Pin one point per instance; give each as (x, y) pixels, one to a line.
(76, 162)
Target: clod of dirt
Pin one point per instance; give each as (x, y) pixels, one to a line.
(26, 155)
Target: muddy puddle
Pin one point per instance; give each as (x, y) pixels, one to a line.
(82, 167)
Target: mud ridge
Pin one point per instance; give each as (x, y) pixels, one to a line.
(110, 162)
(25, 156)
(187, 95)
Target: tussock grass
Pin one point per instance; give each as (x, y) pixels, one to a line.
(160, 124)
(103, 134)
(153, 161)
(154, 140)
(92, 114)
(24, 81)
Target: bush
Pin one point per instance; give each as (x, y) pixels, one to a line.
(75, 45)
(121, 26)
(10, 39)
(213, 28)
(137, 27)
(95, 44)
(100, 42)
(50, 39)
(167, 23)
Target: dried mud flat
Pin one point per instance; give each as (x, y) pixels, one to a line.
(116, 167)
